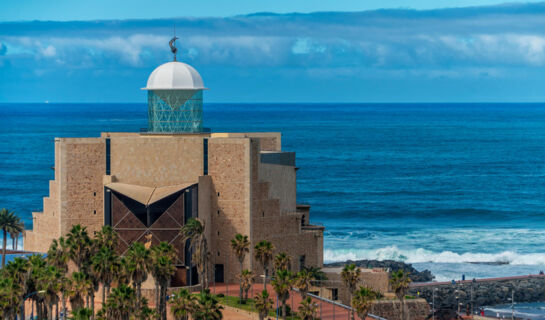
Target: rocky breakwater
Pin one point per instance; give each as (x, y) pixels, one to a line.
(472, 294)
(415, 275)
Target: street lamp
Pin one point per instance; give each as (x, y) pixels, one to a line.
(433, 303)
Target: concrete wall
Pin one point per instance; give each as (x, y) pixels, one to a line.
(415, 309)
(282, 185)
(376, 279)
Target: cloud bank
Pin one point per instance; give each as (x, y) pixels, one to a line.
(384, 55)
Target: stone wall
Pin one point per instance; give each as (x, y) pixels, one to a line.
(415, 309)
(484, 292)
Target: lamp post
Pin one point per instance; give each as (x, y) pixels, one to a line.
(433, 302)
(457, 300)
(512, 304)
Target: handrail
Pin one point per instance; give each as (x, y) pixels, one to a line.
(338, 304)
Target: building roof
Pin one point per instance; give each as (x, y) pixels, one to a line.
(146, 195)
(174, 76)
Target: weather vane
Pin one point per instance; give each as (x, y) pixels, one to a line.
(173, 49)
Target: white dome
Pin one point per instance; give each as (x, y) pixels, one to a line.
(174, 75)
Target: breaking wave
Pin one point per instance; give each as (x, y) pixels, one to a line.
(421, 255)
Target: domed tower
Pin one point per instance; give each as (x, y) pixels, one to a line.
(175, 98)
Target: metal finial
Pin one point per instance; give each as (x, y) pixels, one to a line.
(172, 47)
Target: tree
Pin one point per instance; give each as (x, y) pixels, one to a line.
(37, 266)
(138, 264)
(107, 237)
(303, 281)
(79, 285)
(163, 257)
(307, 309)
(121, 303)
(362, 301)
(19, 270)
(240, 245)
(263, 252)
(15, 232)
(10, 297)
(79, 246)
(193, 230)
(104, 266)
(263, 304)
(282, 261)
(207, 307)
(48, 286)
(246, 280)
(81, 314)
(281, 284)
(351, 277)
(9, 223)
(400, 281)
(58, 256)
(182, 304)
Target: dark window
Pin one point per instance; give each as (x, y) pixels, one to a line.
(94, 212)
(334, 294)
(218, 272)
(301, 262)
(205, 156)
(107, 156)
(94, 194)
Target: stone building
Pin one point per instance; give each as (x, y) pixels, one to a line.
(148, 184)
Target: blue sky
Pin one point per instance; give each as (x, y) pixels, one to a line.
(350, 52)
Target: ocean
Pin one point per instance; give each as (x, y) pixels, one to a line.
(458, 189)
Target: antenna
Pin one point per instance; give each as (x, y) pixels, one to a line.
(173, 49)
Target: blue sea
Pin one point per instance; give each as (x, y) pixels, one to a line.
(447, 187)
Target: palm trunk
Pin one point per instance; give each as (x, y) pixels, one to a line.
(49, 311)
(240, 283)
(92, 304)
(157, 294)
(17, 242)
(4, 244)
(284, 310)
(162, 309)
(402, 309)
(63, 305)
(57, 310)
(265, 271)
(103, 295)
(138, 294)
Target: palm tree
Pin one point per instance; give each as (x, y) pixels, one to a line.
(240, 245)
(79, 245)
(78, 286)
(121, 303)
(246, 279)
(351, 277)
(282, 261)
(362, 300)
(207, 307)
(10, 297)
(182, 303)
(263, 304)
(138, 264)
(81, 314)
(37, 267)
(58, 256)
(162, 269)
(107, 237)
(193, 230)
(104, 266)
(48, 286)
(263, 252)
(281, 283)
(400, 281)
(15, 232)
(9, 222)
(303, 281)
(307, 309)
(19, 270)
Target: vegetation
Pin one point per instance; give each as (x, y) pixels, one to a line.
(50, 284)
(193, 230)
(263, 304)
(263, 253)
(282, 261)
(400, 281)
(351, 277)
(240, 245)
(9, 223)
(308, 309)
(282, 284)
(362, 300)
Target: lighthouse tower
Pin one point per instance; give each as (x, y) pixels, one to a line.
(175, 98)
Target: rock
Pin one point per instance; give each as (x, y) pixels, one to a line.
(415, 275)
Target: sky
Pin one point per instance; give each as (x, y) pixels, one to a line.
(276, 51)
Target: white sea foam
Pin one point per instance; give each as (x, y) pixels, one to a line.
(421, 255)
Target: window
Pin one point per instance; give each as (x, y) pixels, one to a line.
(302, 262)
(334, 294)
